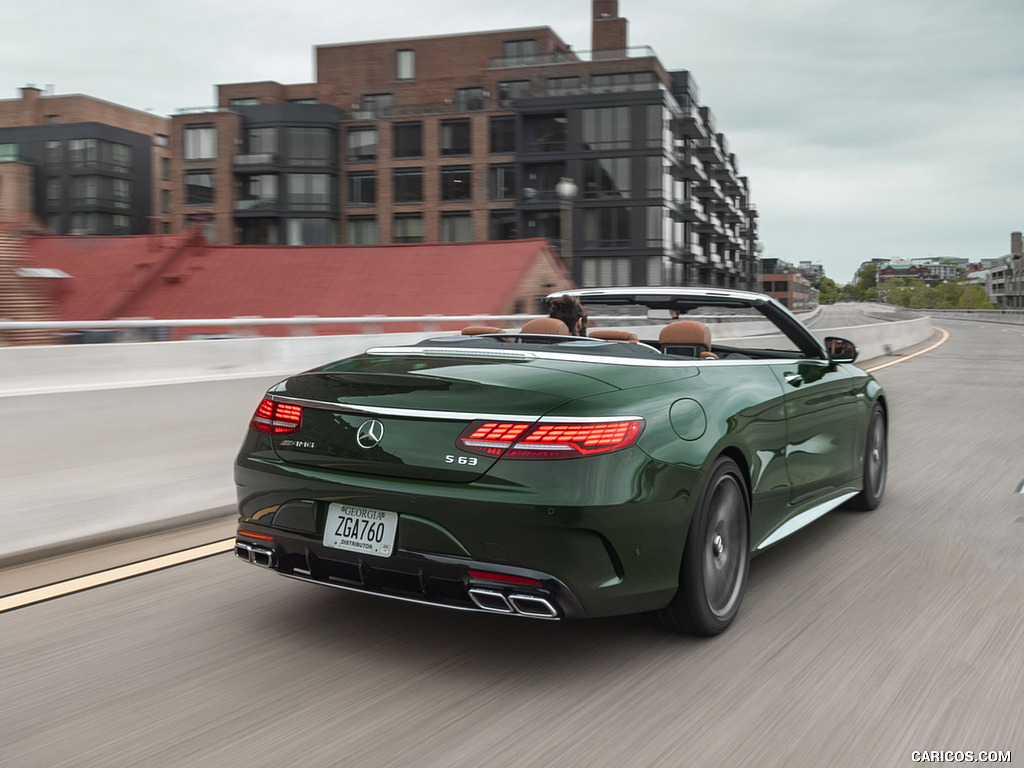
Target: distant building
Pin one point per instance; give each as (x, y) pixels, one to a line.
(483, 136)
(895, 270)
(84, 166)
(782, 281)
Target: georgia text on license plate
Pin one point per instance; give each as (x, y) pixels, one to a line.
(370, 531)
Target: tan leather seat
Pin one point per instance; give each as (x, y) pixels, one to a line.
(687, 335)
(476, 330)
(548, 325)
(614, 334)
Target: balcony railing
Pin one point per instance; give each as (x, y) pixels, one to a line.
(570, 57)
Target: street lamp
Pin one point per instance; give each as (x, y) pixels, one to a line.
(566, 191)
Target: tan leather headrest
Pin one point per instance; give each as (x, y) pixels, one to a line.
(614, 334)
(549, 325)
(686, 332)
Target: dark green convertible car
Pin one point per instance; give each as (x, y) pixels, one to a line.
(553, 476)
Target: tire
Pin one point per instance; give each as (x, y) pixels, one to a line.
(716, 558)
(876, 463)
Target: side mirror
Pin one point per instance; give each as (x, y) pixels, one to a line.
(840, 350)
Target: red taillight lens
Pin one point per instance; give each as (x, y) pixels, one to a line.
(276, 418)
(549, 440)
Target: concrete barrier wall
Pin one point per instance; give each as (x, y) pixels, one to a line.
(102, 442)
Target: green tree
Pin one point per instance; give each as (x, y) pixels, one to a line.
(828, 291)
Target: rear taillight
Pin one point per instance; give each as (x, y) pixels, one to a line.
(276, 418)
(549, 440)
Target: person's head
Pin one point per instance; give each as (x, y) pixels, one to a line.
(569, 310)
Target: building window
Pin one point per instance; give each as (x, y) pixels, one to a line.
(362, 188)
(85, 190)
(503, 225)
(245, 101)
(376, 105)
(658, 182)
(120, 157)
(658, 227)
(655, 126)
(502, 182)
(165, 201)
(165, 168)
(605, 228)
(456, 183)
(309, 192)
(503, 134)
(405, 65)
(161, 140)
(121, 224)
(606, 177)
(624, 81)
(361, 230)
(51, 119)
(53, 153)
(361, 144)
(563, 86)
(469, 99)
(122, 193)
(408, 139)
(455, 137)
(603, 272)
(84, 223)
(519, 51)
(310, 146)
(408, 228)
(260, 192)
(199, 188)
(54, 193)
(456, 227)
(606, 128)
(545, 133)
(205, 222)
(261, 141)
(303, 101)
(408, 185)
(310, 232)
(83, 153)
(510, 90)
(200, 142)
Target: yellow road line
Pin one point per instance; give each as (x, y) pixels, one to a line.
(939, 343)
(61, 588)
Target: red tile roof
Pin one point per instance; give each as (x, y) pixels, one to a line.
(180, 277)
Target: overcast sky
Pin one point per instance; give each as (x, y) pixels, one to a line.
(868, 128)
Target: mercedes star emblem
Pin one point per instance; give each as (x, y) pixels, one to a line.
(370, 434)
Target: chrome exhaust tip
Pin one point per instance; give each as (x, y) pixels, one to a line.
(488, 600)
(531, 605)
(260, 556)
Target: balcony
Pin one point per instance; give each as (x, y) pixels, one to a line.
(688, 210)
(686, 166)
(709, 151)
(690, 125)
(710, 189)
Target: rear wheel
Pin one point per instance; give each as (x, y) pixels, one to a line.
(876, 463)
(716, 557)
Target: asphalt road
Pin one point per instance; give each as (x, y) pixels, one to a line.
(862, 640)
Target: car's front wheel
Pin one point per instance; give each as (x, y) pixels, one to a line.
(876, 463)
(716, 557)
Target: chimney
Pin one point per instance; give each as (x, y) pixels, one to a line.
(1016, 245)
(608, 31)
(28, 109)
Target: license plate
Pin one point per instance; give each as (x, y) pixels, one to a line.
(357, 529)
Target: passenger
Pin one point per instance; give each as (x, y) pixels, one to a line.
(569, 310)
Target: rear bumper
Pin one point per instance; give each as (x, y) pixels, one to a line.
(440, 581)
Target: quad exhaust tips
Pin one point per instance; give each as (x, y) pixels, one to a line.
(523, 605)
(260, 556)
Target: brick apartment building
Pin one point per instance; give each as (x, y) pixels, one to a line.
(466, 137)
(84, 166)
